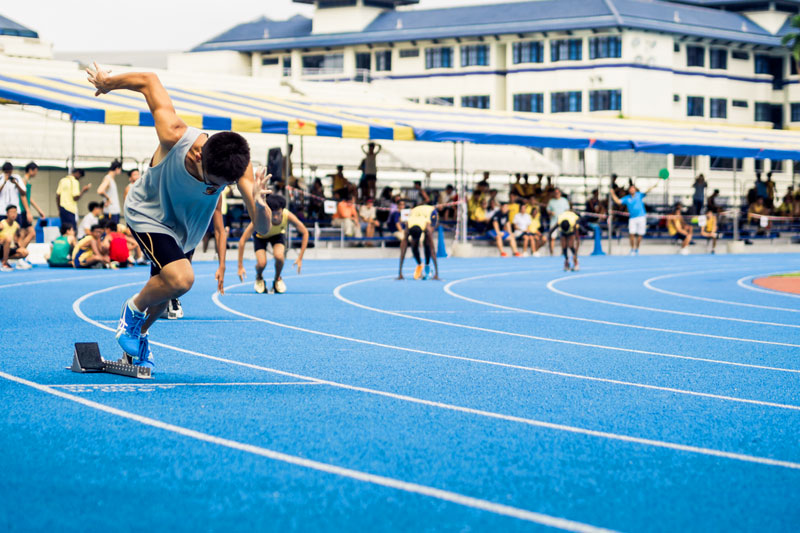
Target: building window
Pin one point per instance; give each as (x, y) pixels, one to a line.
(605, 100)
(441, 57)
(676, 47)
(566, 50)
(409, 52)
(333, 63)
(364, 61)
(683, 161)
(479, 102)
(474, 55)
(528, 52)
(413, 100)
(718, 58)
(529, 103)
(695, 56)
(383, 60)
(776, 165)
(736, 54)
(440, 100)
(762, 64)
(739, 103)
(565, 102)
(759, 165)
(795, 113)
(763, 112)
(676, 98)
(718, 107)
(269, 61)
(605, 47)
(287, 65)
(725, 163)
(694, 106)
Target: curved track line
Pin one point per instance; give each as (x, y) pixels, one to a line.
(37, 281)
(551, 286)
(456, 408)
(448, 290)
(337, 293)
(749, 286)
(649, 284)
(392, 483)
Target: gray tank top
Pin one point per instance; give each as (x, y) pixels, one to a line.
(167, 199)
(113, 206)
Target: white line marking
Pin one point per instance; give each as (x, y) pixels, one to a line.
(337, 293)
(649, 284)
(551, 287)
(456, 408)
(54, 280)
(405, 486)
(448, 290)
(750, 287)
(171, 385)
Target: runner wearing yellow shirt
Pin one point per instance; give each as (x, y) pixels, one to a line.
(423, 219)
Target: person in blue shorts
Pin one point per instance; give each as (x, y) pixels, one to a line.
(168, 209)
(637, 215)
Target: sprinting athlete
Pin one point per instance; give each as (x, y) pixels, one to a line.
(568, 224)
(422, 219)
(168, 209)
(276, 236)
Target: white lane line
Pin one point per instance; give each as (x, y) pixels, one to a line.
(551, 286)
(743, 282)
(171, 385)
(405, 486)
(71, 278)
(456, 408)
(649, 284)
(337, 293)
(448, 290)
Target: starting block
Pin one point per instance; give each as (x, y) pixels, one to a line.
(87, 359)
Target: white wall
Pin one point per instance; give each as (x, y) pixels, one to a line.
(343, 19)
(217, 62)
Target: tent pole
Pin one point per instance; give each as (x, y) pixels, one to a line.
(610, 218)
(738, 204)
(121, 151)
(72, 152)
(464, 188)
(301, 156)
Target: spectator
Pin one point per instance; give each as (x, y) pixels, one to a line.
(513, 206)
(346, 217)
(474, 202)
(369, 177)
(122, 249)
(60, 255)
(341, 187)
(758, 211)
(679, 229)
(479, 218)
(492, 207)
(637, 215)
(90, 219)
(518, 187)
(713, 199)
(528, 188)
(786, 208)
(133, 175)
(13, 192)
(555, 206)
(9, 232)
(316, 201)
(108, 190)
(369, 219)
(698, 200)
(417, 195)
(31, 170)
(67, 195)
(395, 223)
(501, 231)
(90, 250)
(595, 205)
(770, 185)
(760, 187)
(710, 229)
(523, 224)
(446, 197)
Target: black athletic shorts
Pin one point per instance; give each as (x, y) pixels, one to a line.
(161, 249)
(261, 244)
(22, 219)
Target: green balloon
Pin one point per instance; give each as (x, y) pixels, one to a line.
(663, 174)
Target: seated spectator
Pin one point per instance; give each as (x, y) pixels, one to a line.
(474, 202)
(346, 217)
(369, 219)
(678, 228)
(9, 240)
(341, 186)
(417, 195)
(594, 205)
(479, 219)
(756, 212)
(513, 206)
(60, 255)
(92, 218)
(316, 201)
(447, 196)
(713, 200)
(522, 223)
(395, 224)
(517, 187)
(501, 231)
(122, 249)
(710, 229)
(90, 250)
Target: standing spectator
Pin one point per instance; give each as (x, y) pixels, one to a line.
(395, 223)
(500, 230)
(60, 255)
(555, 206)
(637, 215)
(133, 175)
(346, 217)
(760, 187)
(699, 198)
(316, 201)
(369, 218)
(341, 187)
(770, 185)
(369, 178)
(712, 200)
(678, 228)
(31, 170)
(13, 192)
(67, 195)
(9, 230)
(108, 190)
(90, 219)
(528, 188)
(518, 187)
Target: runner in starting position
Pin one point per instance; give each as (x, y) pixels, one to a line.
(422, 219)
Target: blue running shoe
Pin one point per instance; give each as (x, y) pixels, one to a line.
(144, 357)
(427, 273)
(129, 330)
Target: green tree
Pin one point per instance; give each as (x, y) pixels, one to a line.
(792, 41)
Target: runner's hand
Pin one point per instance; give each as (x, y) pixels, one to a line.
(99, 78)
(220, 277)
(299, 264)
(242, 273)
(261, 186)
